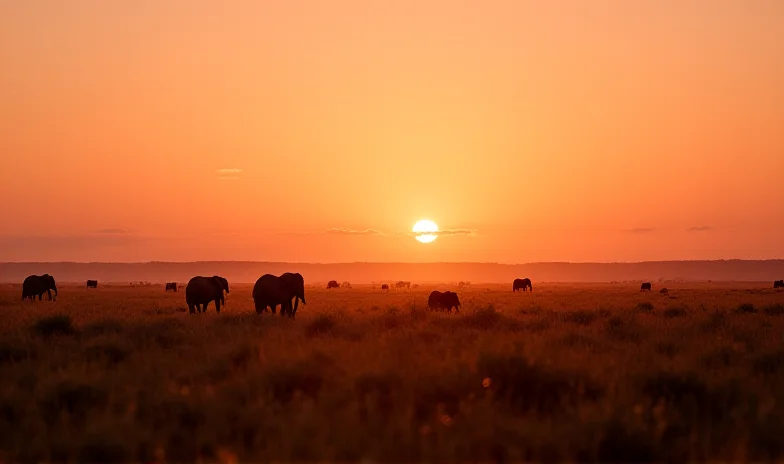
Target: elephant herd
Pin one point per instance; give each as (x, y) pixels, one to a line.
(270, 291)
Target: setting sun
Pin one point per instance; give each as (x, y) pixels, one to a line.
(424, 229)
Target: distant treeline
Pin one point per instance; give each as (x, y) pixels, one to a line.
(366, 273)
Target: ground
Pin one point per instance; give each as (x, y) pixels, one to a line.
(569, 372)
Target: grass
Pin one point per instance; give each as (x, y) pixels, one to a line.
(570, 372)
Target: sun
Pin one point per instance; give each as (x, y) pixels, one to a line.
(424, 228)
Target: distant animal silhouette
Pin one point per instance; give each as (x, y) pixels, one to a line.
(92, 284)
(645, 287)
(778, 284)
(402, 284)
(38, 285)
(345, 285)
(664, 291)
(522, 284)
(333, 284)
(271, 291)
(171, 286)
(445, 300)
(384, 287)
(462, 284)
(415, 286)
(201, 291)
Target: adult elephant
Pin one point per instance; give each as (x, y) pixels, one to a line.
(38, 285)
(92, 284)
(645, 287)
(333, 284)
(778, 284)
(522, 284)
(201, 291)
(445, 300)
(271, 291)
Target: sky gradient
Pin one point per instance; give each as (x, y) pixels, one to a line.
(320, 131)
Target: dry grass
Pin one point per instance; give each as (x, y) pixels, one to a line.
(570, 372)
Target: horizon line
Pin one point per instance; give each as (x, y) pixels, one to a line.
(397, 262)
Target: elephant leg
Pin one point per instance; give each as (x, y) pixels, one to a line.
(217, 306)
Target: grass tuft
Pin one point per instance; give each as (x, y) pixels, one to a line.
(57, 324)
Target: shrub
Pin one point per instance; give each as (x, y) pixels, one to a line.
(746, 308)
(110, 352)
(689, 395)
(671, 313)
(484, 319)
(524, 386)
(283, 382)
(13, 352)
(645, 307)
(101, 327)
(320, 325)
(769, 364)
(581, 317)
(73, 397)
(57, 324)
(774, 309)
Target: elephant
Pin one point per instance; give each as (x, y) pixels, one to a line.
(445, 300)
(345, 285)
(171, 286)
(645, 287)
(333, 284)
(92, 284)
(664, 291)
(38, 285)
(201, 291)
(522, 284)
(271, 291)
(778, 284)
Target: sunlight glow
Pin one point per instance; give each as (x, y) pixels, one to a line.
(422, 229)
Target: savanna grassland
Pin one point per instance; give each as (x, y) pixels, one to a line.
(570, 372)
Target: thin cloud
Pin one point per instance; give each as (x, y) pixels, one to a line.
(228, 171)
(115, 231)
(641, 230)
(340, 231)
(228, 178)
(446, 232)
(700, 229)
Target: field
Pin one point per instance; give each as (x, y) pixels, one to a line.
(570, 372)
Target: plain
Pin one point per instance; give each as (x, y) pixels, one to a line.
(568, 372)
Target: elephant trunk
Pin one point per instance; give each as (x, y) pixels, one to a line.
(55, 291)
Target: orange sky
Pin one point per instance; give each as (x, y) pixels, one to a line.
(610, 130)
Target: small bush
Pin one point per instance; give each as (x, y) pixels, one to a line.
(524, 386)
(322, 324)
(769, 364)
(581, 317)
(645, 307)
(774, 310)
(484, 319)
(111, 352)
(746, 308)
(58, 324)
(622, 330)
(671, 313)
(284, 382)
(73, 397)
(102, 327)
(716, 321)
(13, 352)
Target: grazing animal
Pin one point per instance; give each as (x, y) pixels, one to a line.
(462, 284)
(201, 291)
(171, 286)
(92, 284)
(384, 287)
(333, 284)
(445, 300)
(38, 285)
(522, 284)
(345, 285)
(664, 291)
(271, 291)
(645, 287)
(402, 284)
(778, 284)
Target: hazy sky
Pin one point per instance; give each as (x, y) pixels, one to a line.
(572, 130)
